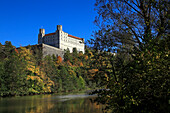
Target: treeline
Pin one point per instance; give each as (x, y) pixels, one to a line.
(24, 71)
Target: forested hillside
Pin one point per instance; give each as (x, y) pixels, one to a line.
(24, 71)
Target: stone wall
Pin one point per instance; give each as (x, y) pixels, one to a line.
(50, 50)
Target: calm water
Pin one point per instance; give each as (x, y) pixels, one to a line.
(76, 103)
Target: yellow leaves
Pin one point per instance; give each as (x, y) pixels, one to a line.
(71, 72)
(86, 57)
(92, 72)
(40, 82)
(91, 54)
(48, 89)
(34, 69)
(108, 96)
(107, 78)
(31, 68)
(33, 90)
(157, 57)
(25, 53)
(50, 82)
(149, 62)
(37, 71)
(28, 77)
(34, 78)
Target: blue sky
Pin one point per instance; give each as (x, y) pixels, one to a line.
(20, 20)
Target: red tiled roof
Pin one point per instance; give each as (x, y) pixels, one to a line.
(68, 35)
(75, 37)
(49, 34)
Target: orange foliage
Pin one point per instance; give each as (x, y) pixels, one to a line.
(16, 50)
(86, 57)
(68, 63)
(93, 71)
(59, 59)
(97, 106)
(81, 64)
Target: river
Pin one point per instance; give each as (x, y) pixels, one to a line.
(52, 103)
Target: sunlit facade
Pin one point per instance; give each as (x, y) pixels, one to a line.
(61, 40)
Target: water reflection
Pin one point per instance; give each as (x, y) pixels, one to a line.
(79, 103)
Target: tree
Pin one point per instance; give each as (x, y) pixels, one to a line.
(6, 49)
(2, 84)
(65, 78)
(67, 55)
(59, 60)
(37, 53)
(133, 22)
(13, 74)
(136, 78)
(81, 83)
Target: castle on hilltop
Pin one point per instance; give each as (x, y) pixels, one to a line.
(60, 40)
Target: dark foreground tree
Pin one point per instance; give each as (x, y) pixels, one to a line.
(137, 77)
(130, 21)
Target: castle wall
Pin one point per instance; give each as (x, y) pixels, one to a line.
(52, 40)
(70, 42)
(50, 50)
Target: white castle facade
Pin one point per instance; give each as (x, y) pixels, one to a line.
(61, 40)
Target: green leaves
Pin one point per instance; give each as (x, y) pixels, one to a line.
(137, 31)
(24, 71)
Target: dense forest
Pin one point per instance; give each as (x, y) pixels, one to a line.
(137, 78)
(24, 71)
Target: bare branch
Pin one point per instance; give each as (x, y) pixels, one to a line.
(133, 7)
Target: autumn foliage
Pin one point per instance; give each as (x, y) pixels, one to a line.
(24, 71)
(59, 59)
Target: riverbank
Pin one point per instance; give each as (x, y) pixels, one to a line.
(55, 93)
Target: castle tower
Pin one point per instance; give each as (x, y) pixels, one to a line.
(59, 27)
(41, 35)
(42, 31)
